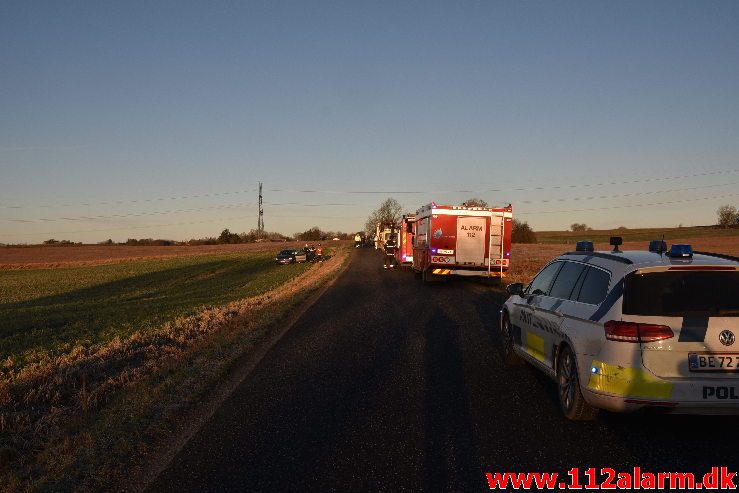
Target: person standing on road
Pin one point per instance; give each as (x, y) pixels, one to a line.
(390, 246)
(357, 240)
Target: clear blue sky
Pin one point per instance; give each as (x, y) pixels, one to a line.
(145, 110)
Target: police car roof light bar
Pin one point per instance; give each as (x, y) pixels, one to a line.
(681, 251)
(657, 246)
(584, 246)
(616, 241)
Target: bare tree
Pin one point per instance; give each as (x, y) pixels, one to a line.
(727, 216)
(390, 211)
(475, 202)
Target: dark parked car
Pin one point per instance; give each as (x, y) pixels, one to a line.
(290, 257)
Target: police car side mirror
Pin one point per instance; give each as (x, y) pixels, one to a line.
(515, 289)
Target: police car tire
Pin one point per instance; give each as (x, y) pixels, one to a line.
(510, 358)
(578, 409)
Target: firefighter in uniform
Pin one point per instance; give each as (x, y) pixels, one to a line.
(390, 246)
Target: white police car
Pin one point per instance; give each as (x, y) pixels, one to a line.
(625, 330)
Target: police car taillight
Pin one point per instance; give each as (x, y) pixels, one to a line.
(634, 332)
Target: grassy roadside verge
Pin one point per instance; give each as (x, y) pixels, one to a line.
(122, 400)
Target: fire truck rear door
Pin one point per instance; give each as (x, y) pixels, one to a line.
(471, 240)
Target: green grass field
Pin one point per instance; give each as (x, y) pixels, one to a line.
(44, 310)
(644, 234)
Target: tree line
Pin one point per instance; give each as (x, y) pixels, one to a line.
(390, 211)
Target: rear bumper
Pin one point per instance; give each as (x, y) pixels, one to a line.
(444, 271)
(679, 397)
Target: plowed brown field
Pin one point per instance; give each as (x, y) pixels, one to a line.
(527, 259)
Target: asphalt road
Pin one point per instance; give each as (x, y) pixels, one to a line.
(388, 384)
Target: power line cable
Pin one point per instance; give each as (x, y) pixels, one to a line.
(189, 223)
(134, 214)
(369, 192)
(132, 201)
(630, 205)
(624, 195)
(512, 189)
(356, 217)
(288, 204)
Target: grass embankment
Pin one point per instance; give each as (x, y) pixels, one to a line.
(74, 415)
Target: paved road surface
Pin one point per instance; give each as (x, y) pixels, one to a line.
(387, 384)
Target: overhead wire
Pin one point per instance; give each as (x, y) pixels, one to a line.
(344, 204)
(298, 204)
(188, 223)
(361, 192)
(670, 202)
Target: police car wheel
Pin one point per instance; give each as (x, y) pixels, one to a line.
(510, 357)
(571, 400)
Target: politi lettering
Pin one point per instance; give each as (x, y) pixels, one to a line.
(720, 393)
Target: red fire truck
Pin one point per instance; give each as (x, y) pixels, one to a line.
(406, 231)
(463, 241)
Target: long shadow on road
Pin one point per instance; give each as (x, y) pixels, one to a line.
(450, 452)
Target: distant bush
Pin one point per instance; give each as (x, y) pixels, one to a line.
(522, 232)
(579, 228)
(149, 242)
(313, 234)
(62, 242)
(203, 241)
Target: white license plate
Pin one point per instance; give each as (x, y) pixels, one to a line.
(714, 362)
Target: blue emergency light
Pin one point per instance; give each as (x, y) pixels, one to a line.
(681, 251)
(657, 246)
(584, 246)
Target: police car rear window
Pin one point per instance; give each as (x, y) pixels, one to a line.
(680, 293)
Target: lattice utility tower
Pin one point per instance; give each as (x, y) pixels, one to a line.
(260, 224)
